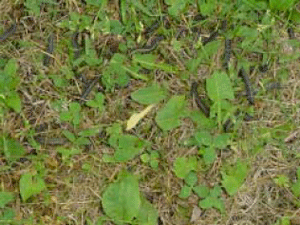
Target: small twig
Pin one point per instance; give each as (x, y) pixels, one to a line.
(292, 136)
(11, 30)
(247, 83)
(199, 102)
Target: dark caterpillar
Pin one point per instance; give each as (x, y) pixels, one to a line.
(228, 123)
(227, 53)
(199, 102)
(151, 47)
(49, 50)
(76, 45)
(154, 26)
(211, 38)
(51, 141)
(247, 83)
(291, 33)
(11, 30)
(88, 89)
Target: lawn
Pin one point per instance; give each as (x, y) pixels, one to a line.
(149, 112)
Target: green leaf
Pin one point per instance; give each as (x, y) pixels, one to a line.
(183, 166)
(175, 6)
(216, 191)
(295, 15)
(73, 114)
(154, 164)
(121, 200)
(148, 215)
(185, 192)
(209, 155)
(149, 61)
(98, 102)
(200, 119)
(67, 153)
(5, 198)
(212, 202)
(33, 6)
(221, 141)
(99, 3)
(282, 181)
(82, 141)
(12, 149)
(13, 101)
(145, 158)
(149, 95)
(89, 132)
(30, 185)
(201, 190)
(128, 147)
(191, 179)
(206, 7)
(7, 216)
(203, 138)
(281, 5)
(169, 117)
(219, 87)
(71, 137)
(141, 7)
(296, 186)
(115, 132)
(11, 68)
(212, 198)
(233, 180)
(115, 73)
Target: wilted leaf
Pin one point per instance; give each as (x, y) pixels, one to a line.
(136, 117)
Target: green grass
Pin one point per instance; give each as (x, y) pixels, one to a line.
(135, 148)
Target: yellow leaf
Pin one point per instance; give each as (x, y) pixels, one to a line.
(136, 117)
